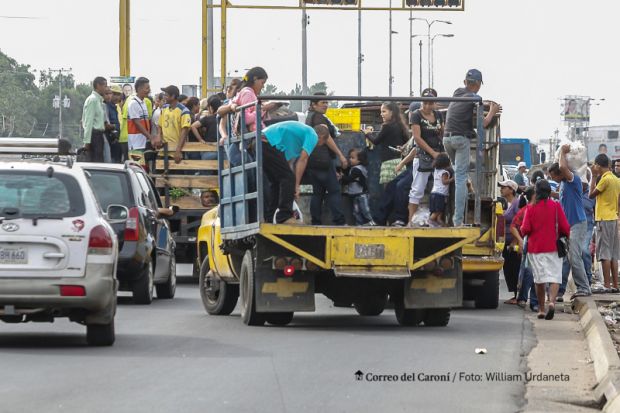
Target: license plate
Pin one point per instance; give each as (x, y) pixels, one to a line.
(13, 256)
(370, 251)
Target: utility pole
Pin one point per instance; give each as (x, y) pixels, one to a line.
(391, 32)
(410, 53)
(420, 67)
(60, 102)
(304, 58)
(360, 57)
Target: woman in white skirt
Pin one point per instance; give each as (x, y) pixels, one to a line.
(544, 223)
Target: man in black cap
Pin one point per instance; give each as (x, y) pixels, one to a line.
(459, 130)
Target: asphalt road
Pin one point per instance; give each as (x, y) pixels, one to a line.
(173, 357)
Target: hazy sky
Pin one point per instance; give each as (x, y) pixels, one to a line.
(531, 52)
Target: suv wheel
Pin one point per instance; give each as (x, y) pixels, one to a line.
(167, 289)
(100, 334)
(218, 297)
(143, 287)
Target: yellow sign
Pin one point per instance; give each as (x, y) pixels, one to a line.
(432, 284)
(285, 288)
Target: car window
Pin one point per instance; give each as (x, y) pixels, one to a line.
(36, 194)
(110, 187)
(148, 190)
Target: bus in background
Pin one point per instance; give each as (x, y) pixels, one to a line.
(515, 150)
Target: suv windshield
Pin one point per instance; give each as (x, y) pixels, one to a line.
(36, 194)
(110, 187)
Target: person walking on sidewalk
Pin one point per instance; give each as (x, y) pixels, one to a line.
(458, 133)
(544, 223)
(572, 204)
(607, 193)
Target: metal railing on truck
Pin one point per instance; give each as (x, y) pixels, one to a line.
(241, 182)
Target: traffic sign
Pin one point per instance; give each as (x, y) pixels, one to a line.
(122, 79)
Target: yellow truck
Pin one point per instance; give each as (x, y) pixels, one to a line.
(277, 269)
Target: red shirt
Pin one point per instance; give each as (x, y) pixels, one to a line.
(539, 224)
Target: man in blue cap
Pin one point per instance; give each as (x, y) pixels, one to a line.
(458, 133)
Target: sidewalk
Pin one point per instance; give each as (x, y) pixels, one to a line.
(560, 348)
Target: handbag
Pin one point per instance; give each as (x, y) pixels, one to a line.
(562, 242)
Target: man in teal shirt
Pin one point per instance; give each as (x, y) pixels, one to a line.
(284, 142)
(93, 118)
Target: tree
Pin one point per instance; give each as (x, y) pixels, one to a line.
(17, 98)
(315, 88)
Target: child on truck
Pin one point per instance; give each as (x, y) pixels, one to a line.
(356, 187)
(443, 175)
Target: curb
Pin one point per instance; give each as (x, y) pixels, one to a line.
(603, 353)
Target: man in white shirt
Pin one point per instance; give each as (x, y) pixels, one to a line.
(139, 122)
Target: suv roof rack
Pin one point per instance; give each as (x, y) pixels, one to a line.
(44, 149)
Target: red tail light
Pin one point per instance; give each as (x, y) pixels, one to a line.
(132, 226)
(72, 291)
(500, 229)
(100, 241)
(289, 271)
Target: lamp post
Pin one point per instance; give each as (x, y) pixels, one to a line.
(411, 37)
(392, 32)
(58, 102)
(432, 81)
(429, 24)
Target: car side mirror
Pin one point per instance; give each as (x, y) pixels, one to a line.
(117, 214)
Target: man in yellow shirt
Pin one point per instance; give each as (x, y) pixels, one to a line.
(175, 121)
(607, 193)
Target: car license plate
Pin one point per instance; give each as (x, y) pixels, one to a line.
(370, 251)
(13, 255)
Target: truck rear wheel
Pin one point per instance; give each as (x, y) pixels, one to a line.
(371, 305)
(436, 317)
(279, 319)
(249, 316)
(218, 297)
(408, 317)
(487, 294)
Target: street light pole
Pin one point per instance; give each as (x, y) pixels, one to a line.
(304, 58)
(410, 53)
(60, 100)
(360, 57)
(420, 67)
(391, 32)
(433, 56)
(429, 24)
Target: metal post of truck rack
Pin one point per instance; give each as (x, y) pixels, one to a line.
(166, 165)
(479, 149)
(244, 175)
(259, 163)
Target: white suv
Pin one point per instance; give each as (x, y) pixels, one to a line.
(57, 252)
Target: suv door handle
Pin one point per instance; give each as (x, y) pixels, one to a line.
(54, 255)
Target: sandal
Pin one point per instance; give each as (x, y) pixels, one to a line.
(541, 316)
(521, 303)
(614, 290)
(512, 301)
(550, 312)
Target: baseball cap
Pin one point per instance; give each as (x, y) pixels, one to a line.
(171, 91)
(521, 164)
(116, 89)
(474, 74)
(509, 183)
(429, 92)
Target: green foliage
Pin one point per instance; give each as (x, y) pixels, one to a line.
(18, 95)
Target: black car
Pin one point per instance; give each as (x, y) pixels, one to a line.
(146, 247)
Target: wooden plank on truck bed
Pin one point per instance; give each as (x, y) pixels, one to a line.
(185, 202)
(189, 165)
(192, 147)
(187, 181)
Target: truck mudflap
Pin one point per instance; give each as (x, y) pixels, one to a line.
(436, 285)
(278, 293)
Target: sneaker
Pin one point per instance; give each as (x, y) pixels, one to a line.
(559, 299)
(398, 223)
(292, 221)
(371, 223)
(534, 308)
(434, 224)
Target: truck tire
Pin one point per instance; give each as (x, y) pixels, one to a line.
(279, 319)
(218, 297)
(100, 334)
(406, 316)
(168, 289)
(436, 317)
(488, 294)
(249, 316)
(371, 305)
(143, 287)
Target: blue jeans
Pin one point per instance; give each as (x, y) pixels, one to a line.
(361, 209)
(325, 180)
(394, 198)
(457, 148)
(574, 261)
(526, 276)
(585, 253)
